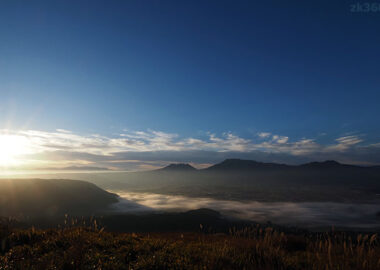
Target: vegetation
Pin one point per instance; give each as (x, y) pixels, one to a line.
(91, 247)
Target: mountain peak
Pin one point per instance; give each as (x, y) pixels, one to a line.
(242, 164)
(179, 167)
(323, 164)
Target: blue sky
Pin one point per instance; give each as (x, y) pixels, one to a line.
(192, 68)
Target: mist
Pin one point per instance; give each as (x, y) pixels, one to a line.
(305, 214)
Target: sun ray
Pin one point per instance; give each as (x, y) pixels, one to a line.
(11, 148)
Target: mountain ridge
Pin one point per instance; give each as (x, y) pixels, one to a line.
(244, 164)
(178, 167)
(234, 164)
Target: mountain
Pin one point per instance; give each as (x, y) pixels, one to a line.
(245, 165)
(328, 164)
(178, 167)
(251, 165)
(40, 197)
(237, 179)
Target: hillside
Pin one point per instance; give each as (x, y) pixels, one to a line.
(245, 165)
(252, 165)
(250, 248)
(39, 197)
(179, 167)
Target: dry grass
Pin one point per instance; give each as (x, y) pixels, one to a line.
(250, 248)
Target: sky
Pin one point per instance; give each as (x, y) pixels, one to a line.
(131, 85)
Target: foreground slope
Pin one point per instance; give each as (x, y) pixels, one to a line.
(251, 248)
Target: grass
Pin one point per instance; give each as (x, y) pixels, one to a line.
(79, 247)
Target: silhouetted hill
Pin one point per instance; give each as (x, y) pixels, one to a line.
(144, 222)
(169, 221)
(251, 165)
(39, 197)
(328, 164)
(245, 165)
(178, 167)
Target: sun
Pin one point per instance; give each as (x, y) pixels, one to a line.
(11, 148)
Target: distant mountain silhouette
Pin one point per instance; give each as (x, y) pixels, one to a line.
(328, 164)
(251, 165)
(178, 167)
(237, 179)
(244, 165)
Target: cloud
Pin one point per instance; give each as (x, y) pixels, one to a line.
(344, 143)
(289, 213)
(63, 130)
(280, 139)
(264, 134)
(135, 150)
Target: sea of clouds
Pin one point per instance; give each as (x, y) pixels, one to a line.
(307, 214)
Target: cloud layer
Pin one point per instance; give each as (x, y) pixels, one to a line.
(136, 150)
(304, 214)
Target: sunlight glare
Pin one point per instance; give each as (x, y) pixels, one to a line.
(11, 148)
